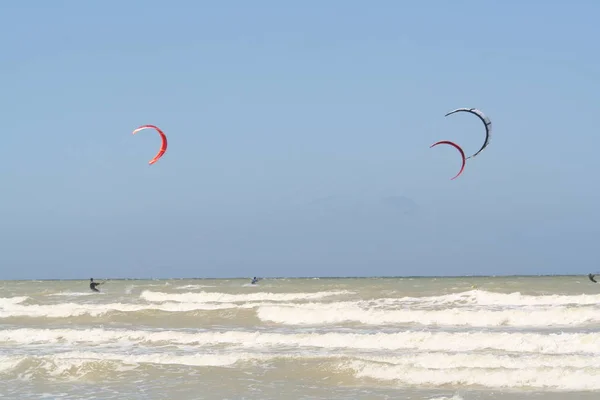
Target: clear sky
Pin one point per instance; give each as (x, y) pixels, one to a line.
(299, 137)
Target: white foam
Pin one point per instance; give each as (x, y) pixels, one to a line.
(66, 310)
(553, 376)
(65, 362)
(215, 297)
(199, 359)
(486, 298)
(4, 301)
(193, 287)
(450, 342)
(557, 378)
(306, 309)
(450, 361)
(335, 313)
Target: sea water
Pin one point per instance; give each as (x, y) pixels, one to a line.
(353, 338)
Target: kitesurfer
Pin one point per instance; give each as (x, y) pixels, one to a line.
(94, 284)
(592, 278)
(254, 280)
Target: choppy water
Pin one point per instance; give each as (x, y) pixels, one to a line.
(422, 338)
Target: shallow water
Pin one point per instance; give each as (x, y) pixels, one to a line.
(397, 338)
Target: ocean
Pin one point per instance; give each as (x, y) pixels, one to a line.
(469, 338)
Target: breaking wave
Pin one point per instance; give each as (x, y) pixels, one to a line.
(468, 340)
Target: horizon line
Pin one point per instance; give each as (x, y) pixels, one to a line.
(303, 277)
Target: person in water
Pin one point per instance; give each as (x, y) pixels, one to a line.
(254, 280)
(94, 284)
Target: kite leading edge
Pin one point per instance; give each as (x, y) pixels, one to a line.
(462, 154)
(163, 146)
(486, 122)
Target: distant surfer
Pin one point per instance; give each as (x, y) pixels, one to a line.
(254, 280)
(592, 277)
(94, 284)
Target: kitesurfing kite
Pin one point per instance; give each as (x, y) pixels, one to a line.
(163, 146)
(462, 154)
(486, 122)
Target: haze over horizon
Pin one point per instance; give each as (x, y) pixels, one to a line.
(298, 139)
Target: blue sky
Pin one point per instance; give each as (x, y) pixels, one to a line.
(299, 138)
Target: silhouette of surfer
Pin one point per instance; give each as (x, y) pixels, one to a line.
(592, 278)
(254, 280)
(94, 284)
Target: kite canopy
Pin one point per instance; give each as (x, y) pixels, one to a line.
(457, 147)
(486, 122)
(163, 146)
